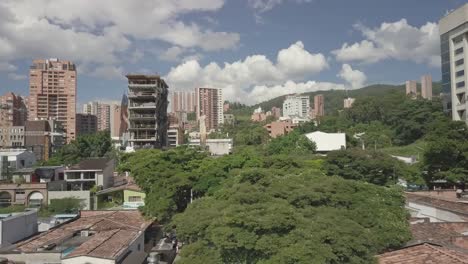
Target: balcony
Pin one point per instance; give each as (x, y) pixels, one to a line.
(142, 86)
(142, 139)
(142, 106)
(461, 106)
(140, 94)
(142, 127)
(141, 116)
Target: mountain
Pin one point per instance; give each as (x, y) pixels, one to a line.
(334, 98)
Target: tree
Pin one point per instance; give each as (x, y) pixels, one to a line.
(263, 218)
(292, 143)
(86, 146)
(446, 156)
(371, 166)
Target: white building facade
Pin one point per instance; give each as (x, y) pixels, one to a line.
(295, 105)
(453, 29)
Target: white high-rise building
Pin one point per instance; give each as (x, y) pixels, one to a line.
(453, 29)
(296, 105)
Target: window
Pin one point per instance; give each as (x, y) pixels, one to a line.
(134, 199)
(460, 84)
(459, 51)
(458, 39)
(139, 247)
(459, 62)
(89, 175)
(460, 73)
(20, 192)
(73, 176)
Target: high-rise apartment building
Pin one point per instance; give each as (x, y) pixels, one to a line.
(52, 93)
(147, 108)
(453, 29)
(103, 113)
(426, 87)
(319, 105)
(183, 102)
(13, 110)
(86, 124)
(295, 105)
(210, 104)
(411, 88)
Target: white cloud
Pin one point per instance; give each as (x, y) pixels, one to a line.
(17, 77)
(172, 54)
(108, 72)
(297, 60)
(262, 6)
(262, 93)
(397, 40)
(356, 78)
(250, 79)
(101, 32)
(7, 67)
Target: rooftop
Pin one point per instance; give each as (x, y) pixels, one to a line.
(91, 164)
(444, 233)
(110, 233)
(441, 201)
(423, 253)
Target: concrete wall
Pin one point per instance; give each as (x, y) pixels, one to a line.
(17, 227)
(87, 260)
(34, 258)
(85, 196)
(137, 255)
(434, 214)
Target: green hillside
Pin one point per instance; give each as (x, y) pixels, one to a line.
(334, 98)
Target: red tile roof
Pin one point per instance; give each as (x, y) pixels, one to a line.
(423, 254)
(113, 232)
(439, 233)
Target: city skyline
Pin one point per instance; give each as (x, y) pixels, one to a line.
(350, 53)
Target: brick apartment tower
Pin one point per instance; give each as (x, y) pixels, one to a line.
(319, 105)
(102, 112)
(210, 104)
(183, 102)
(426, 87)
(147, 111)
(52, 93)
(13, 110)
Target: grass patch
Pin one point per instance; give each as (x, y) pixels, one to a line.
(415, 149)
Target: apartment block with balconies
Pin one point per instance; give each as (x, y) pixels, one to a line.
(147, 111)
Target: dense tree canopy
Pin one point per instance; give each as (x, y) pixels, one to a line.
(86, 146)
(371, 166)
(446, 157)
(308, 218)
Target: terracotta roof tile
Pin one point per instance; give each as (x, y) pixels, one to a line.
(423, 254)
(111, 232)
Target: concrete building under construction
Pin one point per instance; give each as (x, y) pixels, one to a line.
(147, 111)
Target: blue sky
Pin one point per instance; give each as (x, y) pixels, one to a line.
(253, 49)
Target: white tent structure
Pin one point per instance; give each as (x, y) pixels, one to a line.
(326, 142)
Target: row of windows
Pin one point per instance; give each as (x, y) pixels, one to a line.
(459, 62)
(460, 73)
(461, 84)
(459, 51)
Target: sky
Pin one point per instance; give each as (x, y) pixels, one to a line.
(254, 49)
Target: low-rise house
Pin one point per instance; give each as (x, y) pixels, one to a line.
(95, 237)
(217, 147)
(326, 142)
(126, 196)
(89, 173)
(436, 207)
(17, 226)
(175, 136)
(14, 159)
